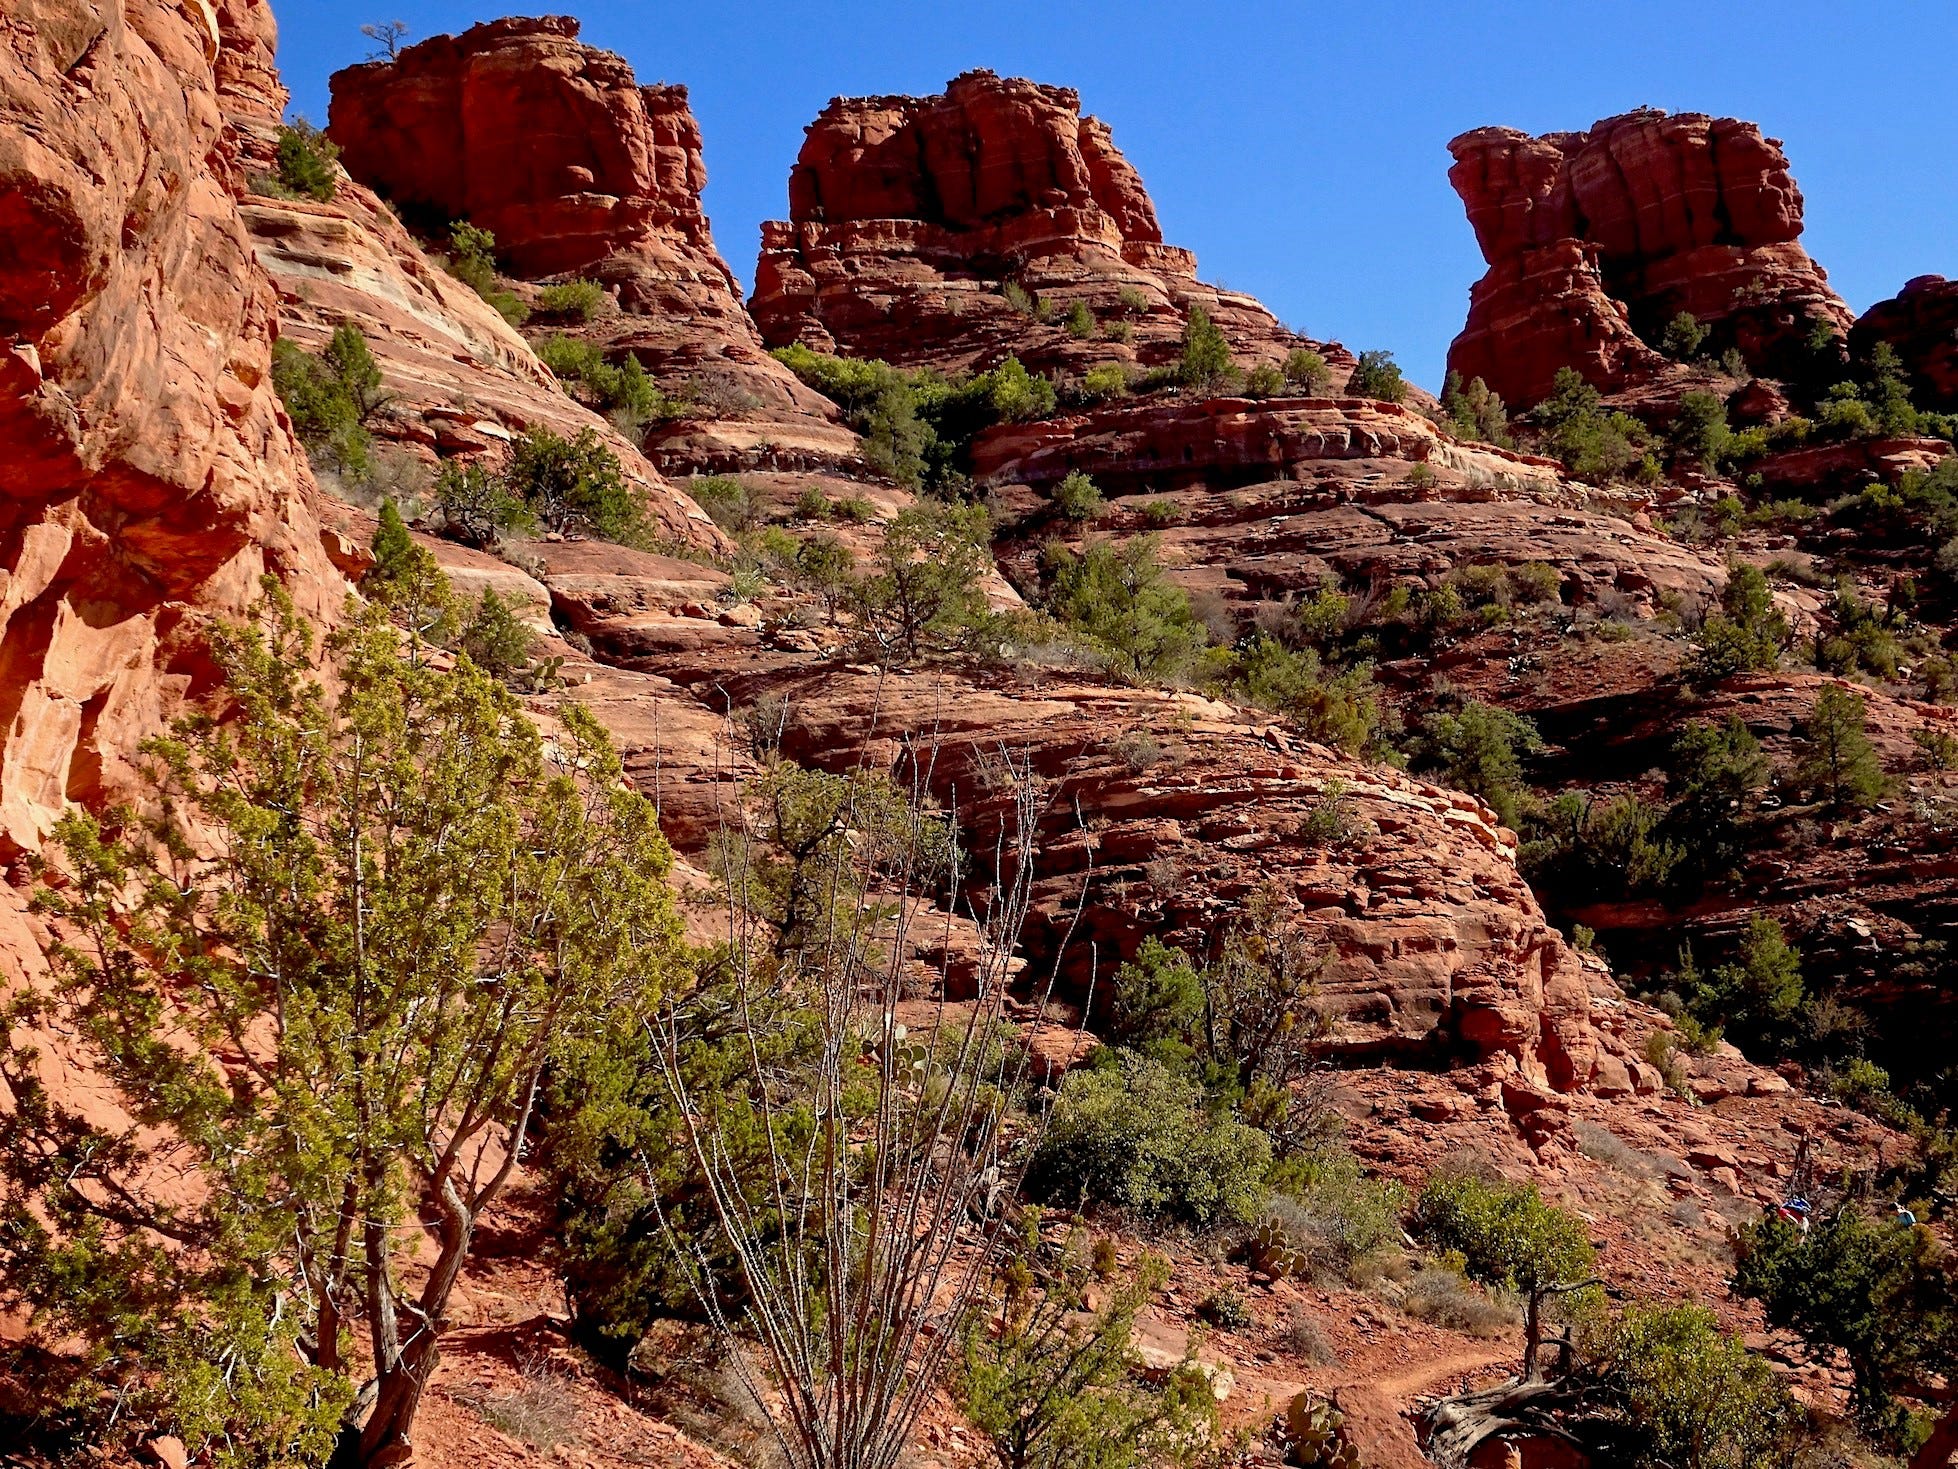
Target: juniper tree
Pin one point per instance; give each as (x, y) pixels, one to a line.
(320, 985)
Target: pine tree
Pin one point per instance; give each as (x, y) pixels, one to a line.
(1206, 362)
(1835, 757)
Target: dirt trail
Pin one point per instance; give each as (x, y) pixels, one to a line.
(1408, 1384)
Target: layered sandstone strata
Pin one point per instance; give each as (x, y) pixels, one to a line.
(908, 217)
(1595, 240)
(554, 147)
(148, 477)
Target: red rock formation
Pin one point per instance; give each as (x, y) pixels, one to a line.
(1921, 322)
(907, 214)
(555, 148)
(148, 477)
(1597, 239)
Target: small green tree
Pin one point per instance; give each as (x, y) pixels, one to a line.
(1713, 777)
(1699, 431)
(330, 398)
(1683, 337)
(407, 583)
(1757, 996)
(1115, 595)
(1377, 375)
(1206, 362)
(1694, 1396)
(1510, 1238)
(1474, 412)
(1748, 633)
(924, 593)
(494, 640)
(1156, 1004)
(576, 486)
(826, 567)
(1079, 321)
(1884, 1295)
(1077, 497)
(306, 159)
(477, 507)
(1308, 371)
(337, 1015)
(1140, 1136)
(1055, 1385)
(1835, 757)
(1338, 707)
(1480, 749)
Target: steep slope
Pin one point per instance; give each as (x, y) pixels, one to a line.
(908, 215)
(579, 171)
(1596, 240)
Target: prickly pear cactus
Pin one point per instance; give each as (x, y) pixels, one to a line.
(1312, 1426)
(1272, 1250)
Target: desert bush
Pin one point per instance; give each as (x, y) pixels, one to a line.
(1508, 1238)
(307, 162)
(1441, 1295)
(1342, 708)
(575, 487)
(1593, 444)
(331, 398)
(1325, 1215)
(1140, 1137)
(1077, 498)
(1748, 632)
(923, 594)
(1307, 370)
(576, 300)
(1692, 1395)
(1114, 596)
(1079, 321)
(1266, 380)
(472, 260)
(1105, 381)
(1377, 376)
(1205, 365)
(1834, 756)
(1473, 412)
(730, 503)
(1683, 337)
(477, 507)
(1480, 748)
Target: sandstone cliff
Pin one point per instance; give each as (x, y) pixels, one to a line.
(1595, 240)
(554, 147)
(908, 215)
(148, 478)
(1921, 323)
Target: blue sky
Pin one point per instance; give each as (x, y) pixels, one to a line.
(1300, 149)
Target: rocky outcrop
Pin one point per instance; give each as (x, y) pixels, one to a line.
(554, 147)
(1921, 323)
(1219, 442)
(148, 477)
(1595, 240)
(908, 215)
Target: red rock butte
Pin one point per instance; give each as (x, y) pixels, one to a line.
(907, 215)
(1921, 323)
(1595, 240)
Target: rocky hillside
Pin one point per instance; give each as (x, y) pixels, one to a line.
(983, 479)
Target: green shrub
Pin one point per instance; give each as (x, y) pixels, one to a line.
(1307, 370)
(1862, 640)
(1019, 298)
(812, 504)
(576, 300)
(478, 508)
(1377, 376)
(330, 398)
(495, 641)
(1592, 443)
(575, 487)
(1105, 381)
(1756, 997)
(1133, 300)
(1336, 708)
(1054, 1385)
(1480, 749)
(1699, 431)
(1266, 380)
(1158, 514)
(1596, 850)
(1747, 633)
(924, 595)
(1473, 412)
(1714, 773)
(1834, 757)
(1139, 1137)
(1326, 1215)
(1205, 365)
(729, 502)
(1114, 596)
(1156, 1005)
(1079, 321)
(1077, 498)
(472, 260)
(306, 161)
(1683, 337)
(624, 390)
(1693, 1396)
